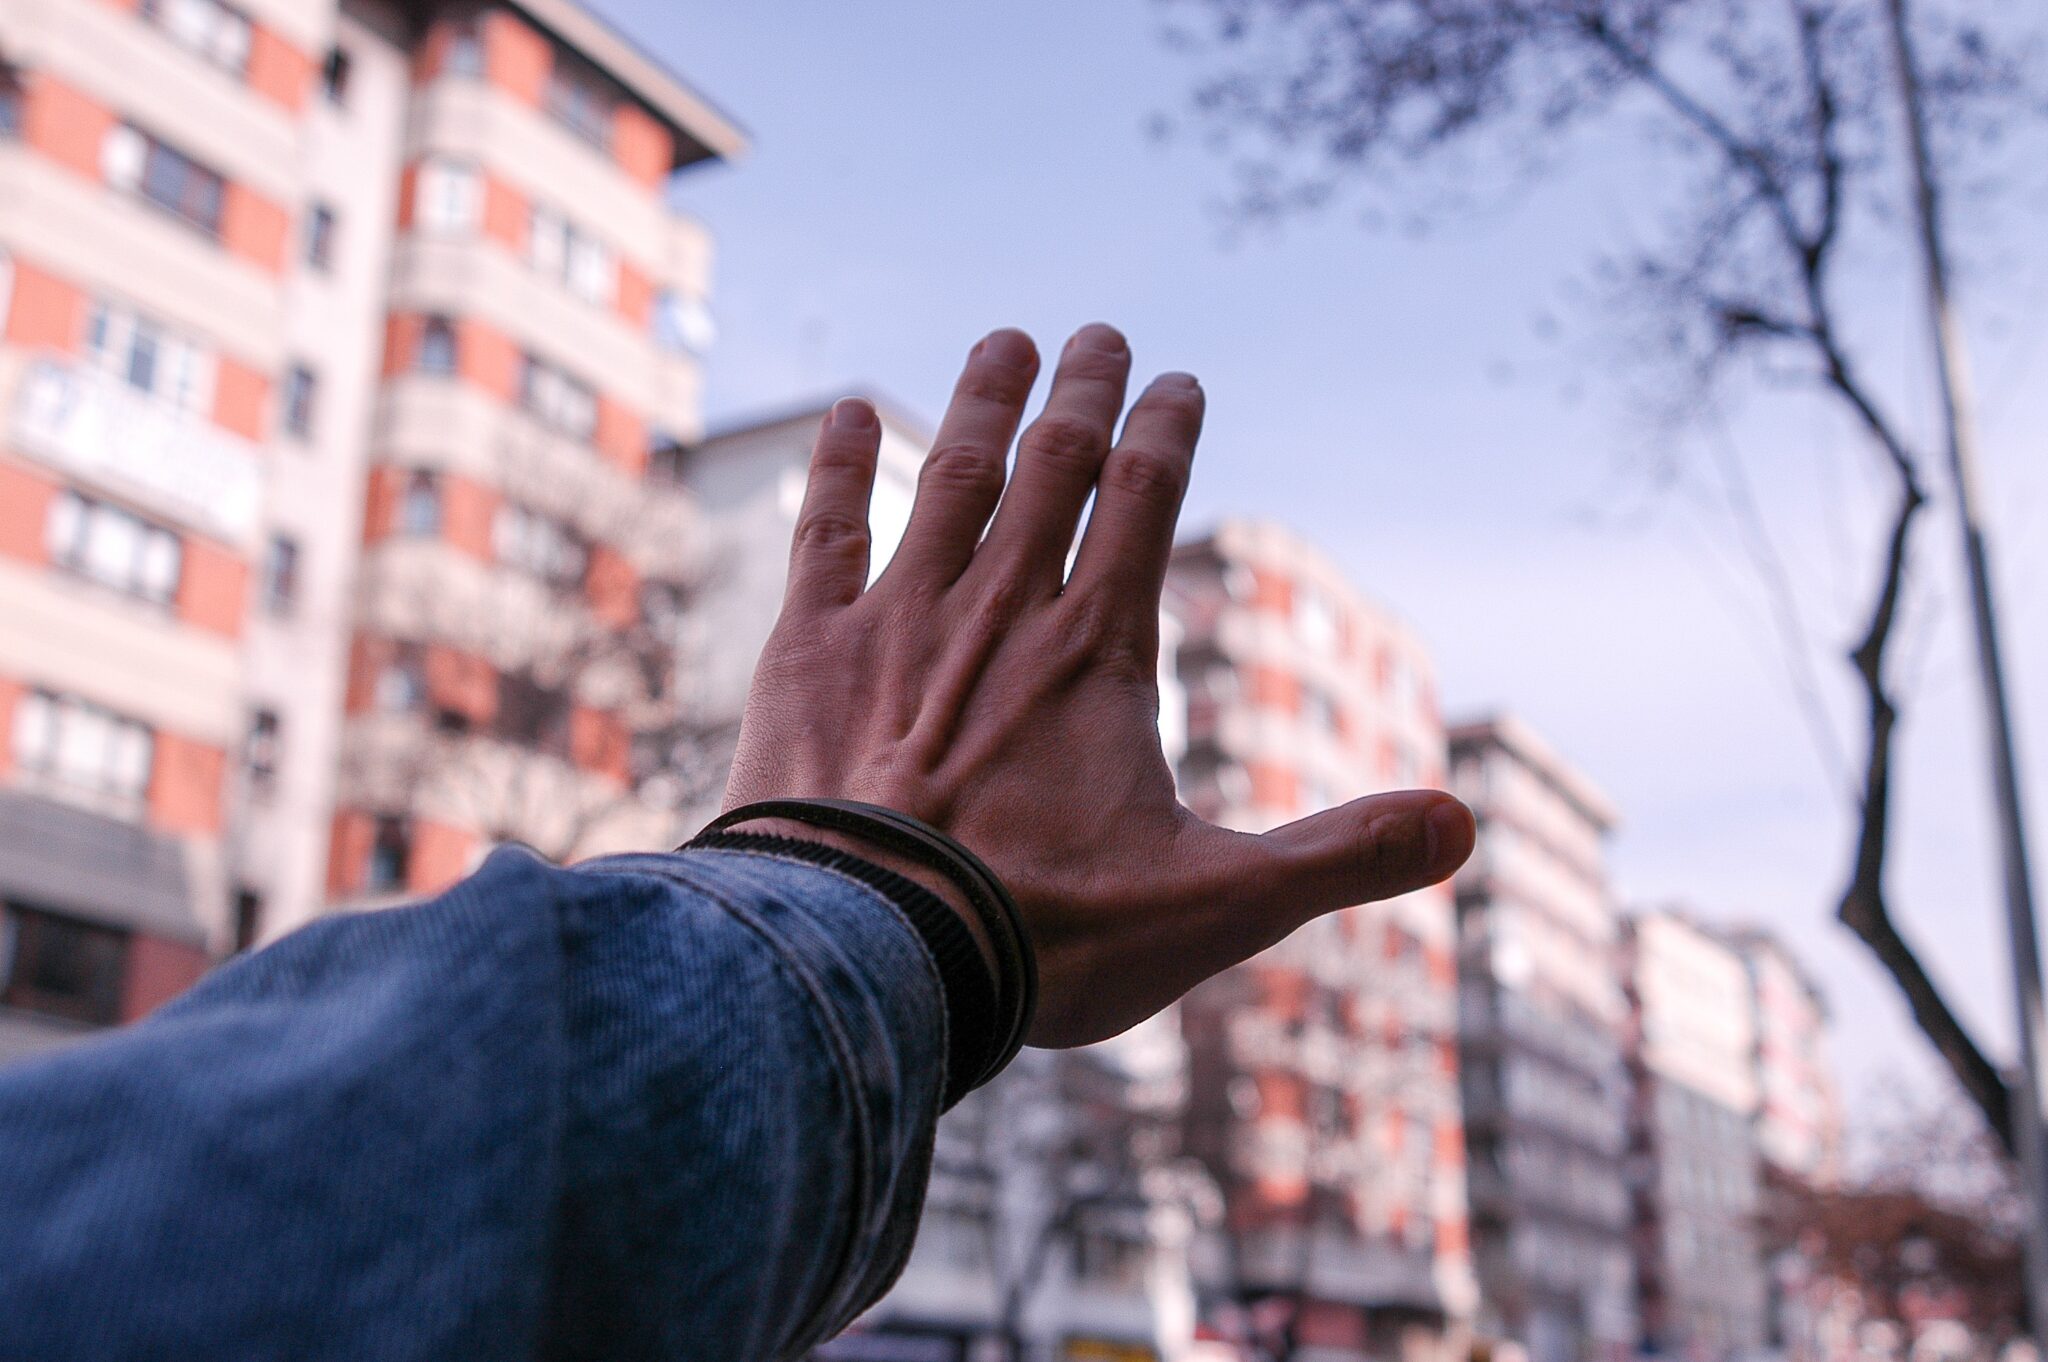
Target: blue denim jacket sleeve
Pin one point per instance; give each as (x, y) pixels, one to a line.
(662, 1106)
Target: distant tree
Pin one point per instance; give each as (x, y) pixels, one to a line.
(542, 702)
(1931, 1232)
(1782, 121)
(1080, 1149)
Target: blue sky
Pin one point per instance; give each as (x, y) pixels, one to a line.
(925, 171)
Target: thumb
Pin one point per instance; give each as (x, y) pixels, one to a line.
(1371, 848)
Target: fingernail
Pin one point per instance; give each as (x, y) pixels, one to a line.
(1100, 337)
(852, 413)
(1177, 382)
(1448, 832)
(1008, 346)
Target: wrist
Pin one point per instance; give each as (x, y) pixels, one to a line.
(940, 886)
(976, 931)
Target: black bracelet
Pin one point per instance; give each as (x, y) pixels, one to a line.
(1016, 973)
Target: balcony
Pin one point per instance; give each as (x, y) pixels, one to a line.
(92, 425)
(1339, 1265)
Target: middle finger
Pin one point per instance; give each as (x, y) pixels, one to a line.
(1059, 459)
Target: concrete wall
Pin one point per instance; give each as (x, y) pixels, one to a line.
(297, 664)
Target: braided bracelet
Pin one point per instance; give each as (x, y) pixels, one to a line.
(1016, 980)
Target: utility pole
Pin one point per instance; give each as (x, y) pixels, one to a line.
(1960, 431)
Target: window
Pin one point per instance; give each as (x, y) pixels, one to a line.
(450, 196)
(300, 386)
(390, 855)
(465, 51)
(260, 750)
(566, 403)
(532, 714)
(682, 325)
(419, 510)
(570, 255)
(281, 574)
(248, 918)
(320, 237)
(83, 747)
(206, 27)
(437, 347)
(402, 684)
(581, 97)
(662, 603)
(10, 102)
(1315, 617)
(1400, 683)
(147, 357)
(334, 74)
(134, 161)
(539, 544)
(1109, 1257)
(62, 967)
(114, 548)
(667, 458)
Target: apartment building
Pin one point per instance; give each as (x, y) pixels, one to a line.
(1799, 1109)
(333, 333)
(1323, 1073)
(1694, 1163)
(747, 480)
(1541, 1016)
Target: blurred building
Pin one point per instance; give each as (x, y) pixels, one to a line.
(748, 482)
(1694, 1152)
(1799, 1141)
(1053, 1226)
(1541, 1017)
(1799, 1109)
(1324, 1072)
(338, 342)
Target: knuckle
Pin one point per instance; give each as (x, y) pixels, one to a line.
(1066, 442)
(1181, 411)
(963, 469)
(839, 452)
(1093, 365)
(1002, 601)
(1146, 476)
(1099, 634)
(831, 532)
(996, 383)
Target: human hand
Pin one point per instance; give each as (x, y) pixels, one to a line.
(979, 686)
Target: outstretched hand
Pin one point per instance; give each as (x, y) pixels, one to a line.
(983, 687)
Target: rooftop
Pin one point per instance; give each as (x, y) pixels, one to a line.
(1528, 747)
(703, 131)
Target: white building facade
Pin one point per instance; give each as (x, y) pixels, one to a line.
(1694, 1159)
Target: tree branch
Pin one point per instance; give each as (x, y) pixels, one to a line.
(1863, 908)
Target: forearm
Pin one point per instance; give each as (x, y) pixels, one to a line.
(659, 1106)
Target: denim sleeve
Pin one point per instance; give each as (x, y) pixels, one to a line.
(651, 1107)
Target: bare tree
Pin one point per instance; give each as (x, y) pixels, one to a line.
(536, 698)
(1930, 1232)
(1075, 1151)
(1786, 123)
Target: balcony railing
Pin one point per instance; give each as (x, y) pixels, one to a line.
(93, 425)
